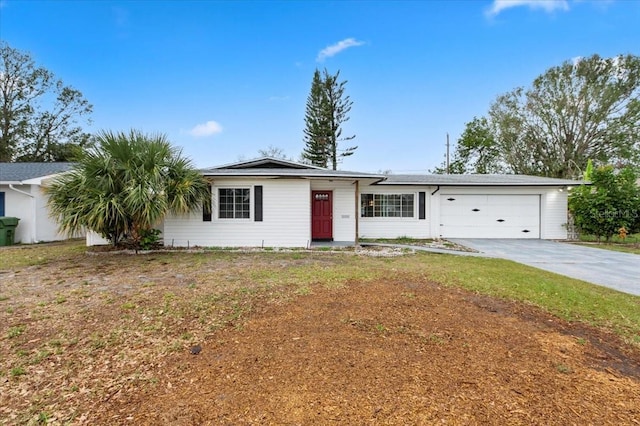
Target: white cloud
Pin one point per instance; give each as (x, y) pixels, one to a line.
(334, 49)
(548, 6)
(278, 98)
(209, 128)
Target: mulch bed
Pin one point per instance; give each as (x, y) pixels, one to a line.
(396, 352)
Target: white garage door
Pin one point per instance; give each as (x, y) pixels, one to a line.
(489, 216)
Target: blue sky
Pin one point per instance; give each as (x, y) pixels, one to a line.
(223, 79)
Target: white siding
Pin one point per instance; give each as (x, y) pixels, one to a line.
(344, 207)
(554, 215)
(20, 206)
(393, 227)
(94, 239)
(46, 226)
(286, 218)
(35, 223)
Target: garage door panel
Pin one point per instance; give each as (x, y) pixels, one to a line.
(493, 232)
(527, 218)
(489, 216)
(513, 210)
(523, 200)
(515, 232)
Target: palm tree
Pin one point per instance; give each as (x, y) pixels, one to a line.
(125, 185)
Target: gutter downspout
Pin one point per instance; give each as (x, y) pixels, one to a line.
(437, 189)
(33, 204)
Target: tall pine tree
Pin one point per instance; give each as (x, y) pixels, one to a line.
(327, 108)
(316, 131)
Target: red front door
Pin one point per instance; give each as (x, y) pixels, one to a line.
(321, 215)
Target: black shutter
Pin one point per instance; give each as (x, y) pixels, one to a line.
(257, 205)
(206, 210)
(422, 210)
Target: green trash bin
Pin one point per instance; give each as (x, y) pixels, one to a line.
(8, 230)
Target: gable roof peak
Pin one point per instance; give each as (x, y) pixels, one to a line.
(267, 163)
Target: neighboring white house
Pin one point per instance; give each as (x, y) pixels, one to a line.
(276, 203)
(21, 196)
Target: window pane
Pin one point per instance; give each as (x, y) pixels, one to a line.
(407, 205)
(387, 205)
(366, 208)
(393, 207)
(377, 205)
(234, 203)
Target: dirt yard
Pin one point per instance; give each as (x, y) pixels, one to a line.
(296, 339)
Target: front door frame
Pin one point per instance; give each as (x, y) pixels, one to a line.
(327, 234)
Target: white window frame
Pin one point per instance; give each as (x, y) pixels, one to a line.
(383, 205)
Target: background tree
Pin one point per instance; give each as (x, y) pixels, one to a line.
(125, 185)
(273, 152)
(38, 114)
(476, 151)
(316, 131)
(327, 109)
(611, 202)
(589, 108)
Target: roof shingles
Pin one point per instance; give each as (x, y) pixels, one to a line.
(18, 172)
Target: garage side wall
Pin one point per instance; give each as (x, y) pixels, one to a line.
(554, 214)
(394, 227)
(286, 218)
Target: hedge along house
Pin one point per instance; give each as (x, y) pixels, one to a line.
(21, 196)
(277, 203)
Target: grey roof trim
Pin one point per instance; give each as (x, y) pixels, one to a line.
(477, 180)
(262, 160)
(293, 173)
(15, 173)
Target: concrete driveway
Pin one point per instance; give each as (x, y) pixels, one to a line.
(620, 271)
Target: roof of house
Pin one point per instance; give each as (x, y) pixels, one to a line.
(476, 180)
(19, 172)
(267, 163)
(275, 167)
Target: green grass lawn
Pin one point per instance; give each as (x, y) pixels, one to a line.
(631, 244)
(567, 298)
(630, 239)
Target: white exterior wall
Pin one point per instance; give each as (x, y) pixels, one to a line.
(286, 218)
(394, 227)
(20, 206)
(553, 206)
(344, 207)
(287, 214)
(35, 223)
(46, 227)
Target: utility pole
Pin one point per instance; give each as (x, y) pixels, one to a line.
(447, 153)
